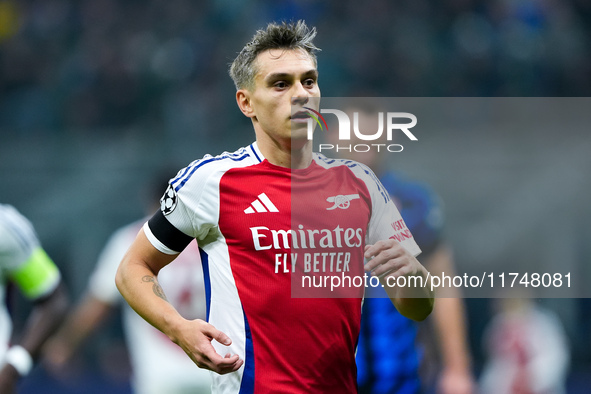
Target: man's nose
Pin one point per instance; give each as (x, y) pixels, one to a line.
(301, 95)
(299, 100)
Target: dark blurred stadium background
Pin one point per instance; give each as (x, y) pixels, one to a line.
(97, 95)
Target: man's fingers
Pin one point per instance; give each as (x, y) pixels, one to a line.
(205, 355)
(385, 258)
(216, 334)
(231, 368)
(227, 364)
(211, 360)
(383, 270)
(382, 257)
(220, 361)
(210, 355)
(375, 249)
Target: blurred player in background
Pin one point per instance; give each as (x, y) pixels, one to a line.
(159, 366)
(388, 355)
(24, 263)
(526, 348)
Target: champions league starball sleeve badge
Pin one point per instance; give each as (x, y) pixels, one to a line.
(168, 201)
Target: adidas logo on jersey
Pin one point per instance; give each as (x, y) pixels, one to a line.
(261, 204)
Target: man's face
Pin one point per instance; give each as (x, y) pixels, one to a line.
(284, 78)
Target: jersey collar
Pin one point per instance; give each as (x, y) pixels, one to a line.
(254, 148)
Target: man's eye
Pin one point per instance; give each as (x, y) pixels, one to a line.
(280, 85)
(309, 82)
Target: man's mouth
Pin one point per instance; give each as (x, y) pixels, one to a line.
(300, 115)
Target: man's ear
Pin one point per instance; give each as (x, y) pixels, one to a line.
(244, 102)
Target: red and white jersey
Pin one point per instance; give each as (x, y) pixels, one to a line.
(256, 225)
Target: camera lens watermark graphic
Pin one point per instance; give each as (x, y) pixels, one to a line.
(369, 129)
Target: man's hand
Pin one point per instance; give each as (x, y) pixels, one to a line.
(195, 336)
(389, 259)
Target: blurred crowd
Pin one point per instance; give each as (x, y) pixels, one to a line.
(78, 66)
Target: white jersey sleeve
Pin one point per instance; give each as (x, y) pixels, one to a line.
(17, 238)
(22, 260)
(190, 204)
(195, 188)
(386, 221)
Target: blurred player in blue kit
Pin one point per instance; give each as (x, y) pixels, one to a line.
(24, 263)
(389, 356)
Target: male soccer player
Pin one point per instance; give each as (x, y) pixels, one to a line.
(24, 263)
(159, 366)
(258, 214)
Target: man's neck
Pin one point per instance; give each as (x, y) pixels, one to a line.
(287, 154)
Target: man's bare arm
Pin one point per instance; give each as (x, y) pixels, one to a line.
(43, 320)
(79, 324)
(450, 325)
(137, 281)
